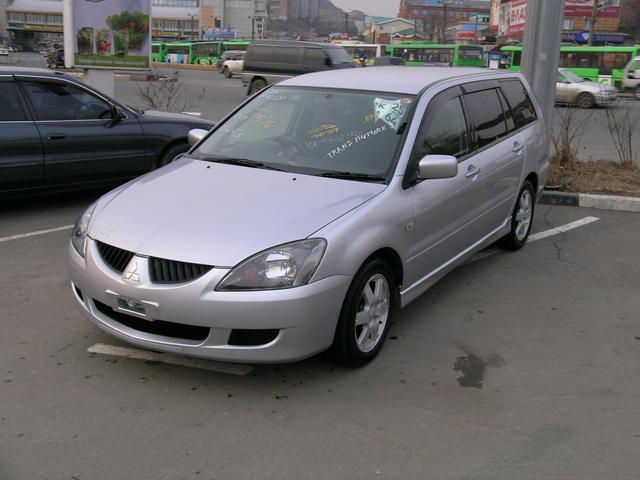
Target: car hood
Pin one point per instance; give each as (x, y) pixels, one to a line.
(216, 214)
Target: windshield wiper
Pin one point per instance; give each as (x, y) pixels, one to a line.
(365, 177)
(244, 162)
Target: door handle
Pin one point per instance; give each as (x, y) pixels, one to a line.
(472, 171)
(517, 147)
(56, 136)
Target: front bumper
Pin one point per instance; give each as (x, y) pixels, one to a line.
(305, 317)
(604, 98)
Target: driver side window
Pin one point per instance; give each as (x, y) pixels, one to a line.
(446, 132)
(63, 101)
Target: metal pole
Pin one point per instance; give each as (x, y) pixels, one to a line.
(253, 28)
(346, 23)
(594, 19)
(541, 52)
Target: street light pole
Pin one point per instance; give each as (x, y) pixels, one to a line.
(253, 27)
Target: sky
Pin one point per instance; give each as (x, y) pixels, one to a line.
(381, 8)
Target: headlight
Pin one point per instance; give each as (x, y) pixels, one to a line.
(285, 266)
(79, 232)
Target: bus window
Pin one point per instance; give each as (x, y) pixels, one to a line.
(467, 53)
(610, 61)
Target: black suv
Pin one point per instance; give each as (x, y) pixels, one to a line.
(269, 62)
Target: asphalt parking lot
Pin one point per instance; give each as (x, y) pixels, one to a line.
(516, 366)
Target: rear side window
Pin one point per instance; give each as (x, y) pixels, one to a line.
(486, 115)
(284, 55)
(521, 105)
(11, 106)
(315, 57)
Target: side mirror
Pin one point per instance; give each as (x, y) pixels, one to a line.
(195, 136)
(117, 113)
(438, 166)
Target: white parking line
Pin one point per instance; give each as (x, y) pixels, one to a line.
(489, 252)
(564, 228)
(37, 232)
(170, 359)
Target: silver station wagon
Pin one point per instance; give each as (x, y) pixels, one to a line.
(312, 212)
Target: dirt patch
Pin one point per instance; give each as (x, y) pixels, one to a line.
(601, 177)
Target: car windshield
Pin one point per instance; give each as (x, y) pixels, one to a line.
(314, 131)
(570, 77)
(339, 56)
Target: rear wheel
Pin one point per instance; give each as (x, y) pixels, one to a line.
(585, 100)
(521, 219)
(365, 316)
(257, 85)
(171, 153)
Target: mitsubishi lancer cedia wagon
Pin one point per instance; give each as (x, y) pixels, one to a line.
(313, 211)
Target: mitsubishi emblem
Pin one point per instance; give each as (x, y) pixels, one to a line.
(131, 274)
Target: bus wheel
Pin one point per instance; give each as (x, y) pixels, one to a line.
(585, 100)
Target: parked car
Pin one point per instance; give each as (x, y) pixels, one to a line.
(573, 89)
(381, 61)
(4, 52)
(229, 55)
(305, 218)
(57, 132)
(55, 58)
(233, 66)
(271, 61)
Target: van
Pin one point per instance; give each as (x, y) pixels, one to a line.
(268, 62)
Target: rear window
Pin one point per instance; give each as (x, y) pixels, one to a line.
(11, 110)
(519, 101)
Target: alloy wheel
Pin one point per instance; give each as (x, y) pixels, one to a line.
(373, 312)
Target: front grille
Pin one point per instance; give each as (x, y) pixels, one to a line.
(171, 271)
(156, 327)
(115, 257)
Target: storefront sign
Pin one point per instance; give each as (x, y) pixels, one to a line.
(584, 8)
(112, 33)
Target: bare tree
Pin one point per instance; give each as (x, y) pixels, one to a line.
(623, 129)
(567, 136)
(164, 91)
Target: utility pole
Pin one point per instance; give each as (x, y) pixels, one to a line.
(346, 23)
(541, 52)
(594, 19)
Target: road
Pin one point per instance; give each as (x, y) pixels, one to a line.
(214, 96)
(515, 366)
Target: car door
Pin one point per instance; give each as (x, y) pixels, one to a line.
(81, 140)
(563, 89)
(21, 159)
(498, 155)
(445, 209)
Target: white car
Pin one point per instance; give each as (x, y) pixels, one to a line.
(4, 52)
(232, 67)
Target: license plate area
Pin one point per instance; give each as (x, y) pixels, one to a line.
(131, 307)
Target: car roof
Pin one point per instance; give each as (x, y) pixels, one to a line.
(11, 70)
(294, 43)
(393, 79)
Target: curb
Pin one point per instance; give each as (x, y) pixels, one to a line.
(588, 200)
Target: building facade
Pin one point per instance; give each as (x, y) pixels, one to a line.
(508, 19)
(33, 22)
(434, 17)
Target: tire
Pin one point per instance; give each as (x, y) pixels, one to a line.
(636, 92)
(256, 86)
(227, 73)
(585, 100)
(171, 153)
(355, 344)
(521, 219)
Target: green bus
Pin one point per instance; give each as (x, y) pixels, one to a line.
(599, 64)
(425, 53)
(201, 52)
(158, 51)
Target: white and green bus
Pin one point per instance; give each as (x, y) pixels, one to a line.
(605, 65)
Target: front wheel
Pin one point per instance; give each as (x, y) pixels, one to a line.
(171, 153)
(227, 73)
(365, 316)
(521, 219)
(585, 100)
(256, 86)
